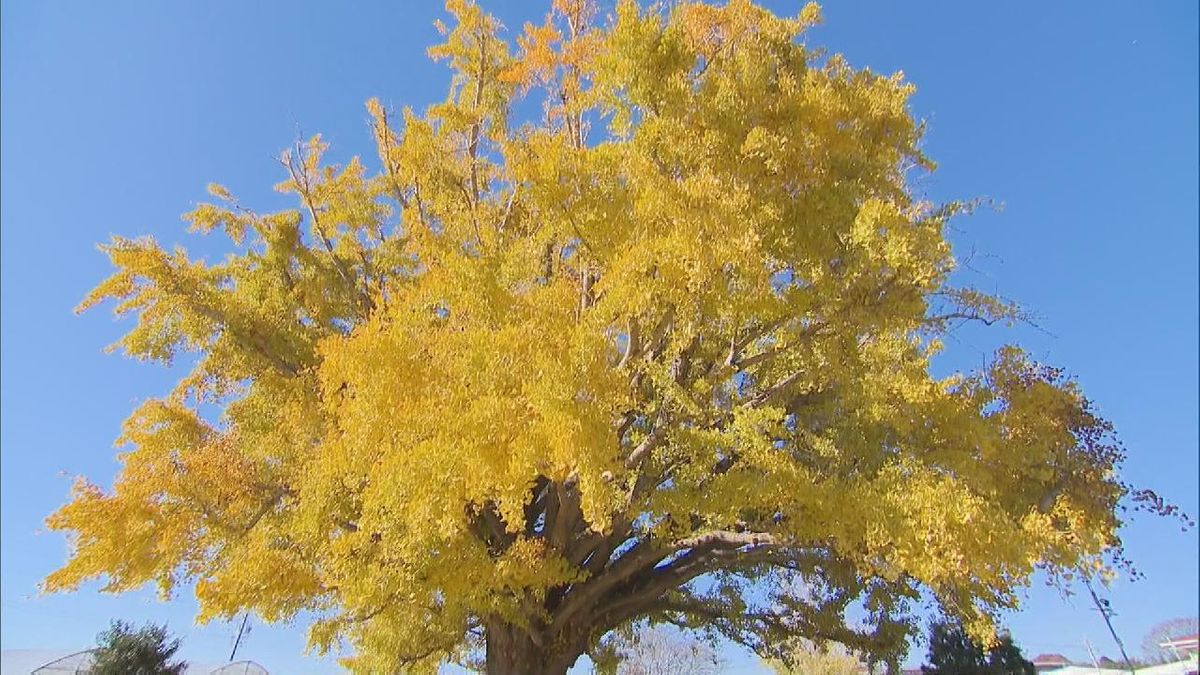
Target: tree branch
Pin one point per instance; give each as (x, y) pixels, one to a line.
(650, 442)
(632, 343)
(725, 539)
(566, 513)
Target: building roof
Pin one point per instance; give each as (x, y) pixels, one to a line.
(1186, 667)
(1182, 642)
(1050, 660)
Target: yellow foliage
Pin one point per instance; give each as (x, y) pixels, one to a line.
(520, 376)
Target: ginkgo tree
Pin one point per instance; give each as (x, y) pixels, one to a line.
(530, 382)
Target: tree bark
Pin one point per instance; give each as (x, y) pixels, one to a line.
(511, 651)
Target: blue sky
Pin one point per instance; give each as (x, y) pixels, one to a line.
(1080, 117)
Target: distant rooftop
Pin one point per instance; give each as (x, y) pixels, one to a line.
(1187, 643)
(1050, 662)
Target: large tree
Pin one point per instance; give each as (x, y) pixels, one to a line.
(528, 383)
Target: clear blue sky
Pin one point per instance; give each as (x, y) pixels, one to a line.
(1081, 117)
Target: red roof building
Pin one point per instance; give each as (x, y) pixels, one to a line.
(1045, 662)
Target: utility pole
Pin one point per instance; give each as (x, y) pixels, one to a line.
(238, 641)
(1106, 611)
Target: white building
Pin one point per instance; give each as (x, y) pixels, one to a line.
(1188, 666)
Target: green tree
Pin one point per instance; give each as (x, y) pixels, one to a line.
(121, 650)
(953, 652)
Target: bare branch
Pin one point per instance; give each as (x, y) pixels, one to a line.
(627, 421)
(632, 342)
(966, 316)
(774, 390)
(659, 336)
(508, 207)
(737, 345)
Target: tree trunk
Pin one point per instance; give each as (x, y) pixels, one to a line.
(510, 651)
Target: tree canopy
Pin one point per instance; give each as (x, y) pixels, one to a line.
(646, 650)
(121, 650)
(1152, 645)
(531, 381)
(953, 652)
(804, 658)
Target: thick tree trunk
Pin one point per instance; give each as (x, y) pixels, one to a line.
(510, 651)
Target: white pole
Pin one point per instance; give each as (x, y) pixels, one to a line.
(1088, 643)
